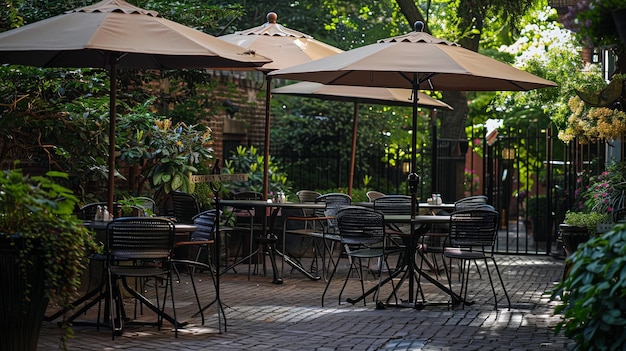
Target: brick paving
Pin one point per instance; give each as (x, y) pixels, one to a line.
(265, 316)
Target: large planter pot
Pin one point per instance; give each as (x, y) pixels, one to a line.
(20, 320)
(572, 236)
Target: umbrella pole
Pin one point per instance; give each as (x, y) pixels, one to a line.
(355, 121)
(413, 178)
(112, 118)
(266, 158)
(433, 157)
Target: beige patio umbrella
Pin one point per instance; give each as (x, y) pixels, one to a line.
(114, 33)
(358, 95)
(286, 47)
(415, 61)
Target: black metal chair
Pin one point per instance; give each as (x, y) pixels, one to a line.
(330, 231)
(472, 237)
(184, 206)
(139, 247)
(394, 205)
(373, 195)
(362, 232)
(307, 196)
(300, 237)
(470, 202)
(202, 239)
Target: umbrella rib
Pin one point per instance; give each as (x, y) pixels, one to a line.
(408, 79)
(430, 84)
(420, 81)
(519, 86)
(339, 77)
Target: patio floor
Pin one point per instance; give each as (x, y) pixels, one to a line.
(262, 315)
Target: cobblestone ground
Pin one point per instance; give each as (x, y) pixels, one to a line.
(265, 316)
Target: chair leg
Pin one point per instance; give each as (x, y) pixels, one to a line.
(356, 264)
(171, 283)
(195, 292)
(332, 274)
(501, 283)
(463, 277)
(449, 277)
(327, 255)
(465, 281)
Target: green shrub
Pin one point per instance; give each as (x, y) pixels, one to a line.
(593, 296)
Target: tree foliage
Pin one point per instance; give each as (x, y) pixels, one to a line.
(345, 24)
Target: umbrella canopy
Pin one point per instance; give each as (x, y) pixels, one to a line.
(417, 61)
(286, 47)
(356, 94)
(139, 38)
(366, 95)
(114, 33)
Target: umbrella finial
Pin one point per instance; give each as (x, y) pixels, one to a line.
(272, 17)
(418, 26)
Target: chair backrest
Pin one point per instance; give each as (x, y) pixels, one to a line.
(360, 225)
(307, 195)
(88, 211)
(205, 226)
(373, 195)
(470, 202)
(473, 228)
(333, 202)
(150, 238)
(185, 206)
(394, 204)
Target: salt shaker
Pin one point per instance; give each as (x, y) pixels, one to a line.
(105, 214)
(98, 216)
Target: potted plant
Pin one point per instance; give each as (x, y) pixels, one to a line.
(597, 199)
(578, 227)
(593, 295)
(42, 251)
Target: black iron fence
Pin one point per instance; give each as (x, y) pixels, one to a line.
(528, 174)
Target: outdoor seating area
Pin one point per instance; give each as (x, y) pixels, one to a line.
(378, 261)
(167, 188)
